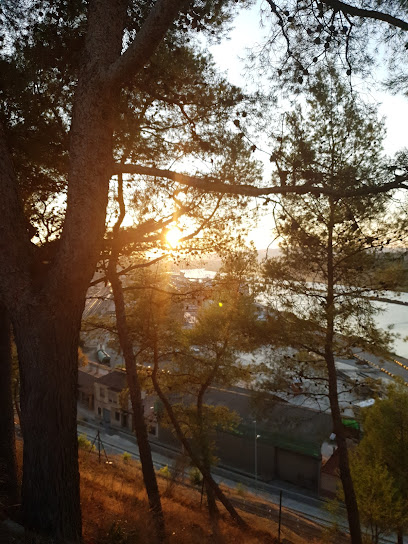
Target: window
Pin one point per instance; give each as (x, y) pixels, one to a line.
(117, 416)
(102, 392)
(99, 411)
(152, 429)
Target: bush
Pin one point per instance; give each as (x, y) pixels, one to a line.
(196, 478)
(84, 443)
(126, 457)
(165, 471)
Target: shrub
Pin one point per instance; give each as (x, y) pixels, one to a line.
(165, 471)
(84, 443)
(126, 457)
(196, 478)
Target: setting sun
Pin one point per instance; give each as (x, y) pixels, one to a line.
(173, 236)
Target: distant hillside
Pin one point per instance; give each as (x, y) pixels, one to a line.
(213, 262)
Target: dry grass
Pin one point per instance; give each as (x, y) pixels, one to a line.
(115, 511)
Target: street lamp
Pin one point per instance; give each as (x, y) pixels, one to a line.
(256, 452)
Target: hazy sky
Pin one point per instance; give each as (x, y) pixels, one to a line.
(230, 58)
(247, 32)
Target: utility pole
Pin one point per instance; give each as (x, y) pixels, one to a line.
(280, 516)
(98, 440)
(256, 453)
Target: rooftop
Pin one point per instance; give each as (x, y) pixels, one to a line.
(115, 380)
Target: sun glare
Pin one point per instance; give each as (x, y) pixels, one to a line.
(173, 237)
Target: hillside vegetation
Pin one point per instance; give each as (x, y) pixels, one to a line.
(115, 511)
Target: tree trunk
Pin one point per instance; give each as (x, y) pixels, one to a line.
(149, 474)
(208, 479)
(213, 511)
(8, 466)
(47, 346)
(205, 454)
(345, 474)
(344, 466)
(47, 327)
(400, 536)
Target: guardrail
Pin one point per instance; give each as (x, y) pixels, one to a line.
(382, 369)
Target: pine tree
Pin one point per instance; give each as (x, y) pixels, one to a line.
(329, 244)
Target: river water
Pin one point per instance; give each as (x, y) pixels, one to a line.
(394, 315)
(397, 316)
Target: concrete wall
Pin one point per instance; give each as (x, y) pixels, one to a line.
(298, 469)
(328, 485)
(238, 453)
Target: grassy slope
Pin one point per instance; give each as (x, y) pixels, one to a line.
(115, 511)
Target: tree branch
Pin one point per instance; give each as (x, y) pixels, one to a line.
(128, 269)
(155, 27)
(208, 184)
(345, 8)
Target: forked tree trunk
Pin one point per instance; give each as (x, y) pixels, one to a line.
(208, 479)
(47, 329)
(149, 474)
(8, 467)
(47, 349)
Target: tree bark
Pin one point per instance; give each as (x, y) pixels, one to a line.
(344, 466)
(9, 495)
(205, 452)
(45, 302)
(345, 474)
(149, 474)
(47, 349)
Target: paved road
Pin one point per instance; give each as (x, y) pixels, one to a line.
(390, 367)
